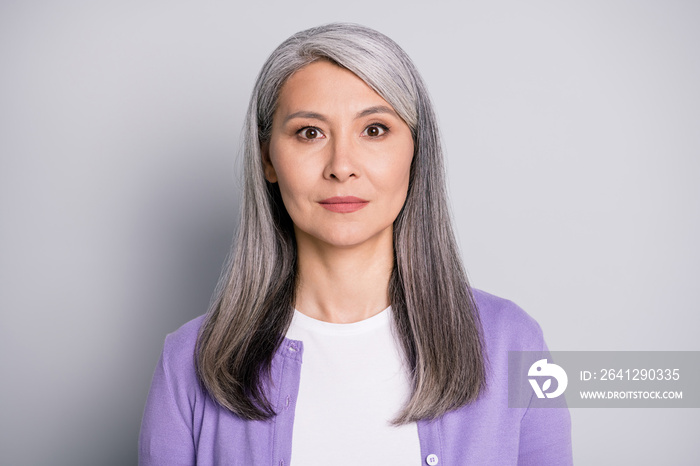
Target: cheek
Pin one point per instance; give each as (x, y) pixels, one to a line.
(400, 172)
(291, 178)
(290, 186)
(401, 188)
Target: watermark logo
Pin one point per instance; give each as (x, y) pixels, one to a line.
(603, 379)
(543, 369)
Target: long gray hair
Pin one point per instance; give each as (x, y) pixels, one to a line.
(434, 312)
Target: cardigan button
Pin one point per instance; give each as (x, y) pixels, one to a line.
(432, 460)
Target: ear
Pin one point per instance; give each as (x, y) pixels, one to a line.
(269, 170)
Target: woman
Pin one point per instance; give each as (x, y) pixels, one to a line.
(344, 330)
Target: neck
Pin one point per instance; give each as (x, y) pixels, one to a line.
(343, 285)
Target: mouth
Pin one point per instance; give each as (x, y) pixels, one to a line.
(343, 204)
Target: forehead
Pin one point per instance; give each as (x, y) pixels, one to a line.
(323, 85)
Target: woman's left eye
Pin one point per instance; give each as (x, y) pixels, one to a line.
(375, 130)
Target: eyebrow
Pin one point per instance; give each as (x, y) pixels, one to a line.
(317, 116)
(376, 109)
(305, 114)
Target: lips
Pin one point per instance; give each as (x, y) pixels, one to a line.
(343, 204)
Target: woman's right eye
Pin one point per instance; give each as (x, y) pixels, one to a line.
(310, 132)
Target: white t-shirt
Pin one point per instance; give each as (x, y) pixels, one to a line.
(353, 383)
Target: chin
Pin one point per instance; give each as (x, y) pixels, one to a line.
(348, 238)
(345, 240)
(345, 236)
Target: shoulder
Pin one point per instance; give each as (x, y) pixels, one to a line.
(505, 325)
(179, 351)
(185, 336)
(168, 423)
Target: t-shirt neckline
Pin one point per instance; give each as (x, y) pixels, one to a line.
(376, 321)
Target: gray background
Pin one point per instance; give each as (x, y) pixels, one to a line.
(572, 132)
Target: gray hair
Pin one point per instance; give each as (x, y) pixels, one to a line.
(435, 315)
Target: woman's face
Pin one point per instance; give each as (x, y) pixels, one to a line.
(341, 156)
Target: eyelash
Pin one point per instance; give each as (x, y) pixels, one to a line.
(304, 128)
(384, 128)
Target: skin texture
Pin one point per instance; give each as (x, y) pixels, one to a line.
(332, 135)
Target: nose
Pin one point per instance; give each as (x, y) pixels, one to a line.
(342, 163)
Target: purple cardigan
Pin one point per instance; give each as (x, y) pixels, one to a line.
(182, 425)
